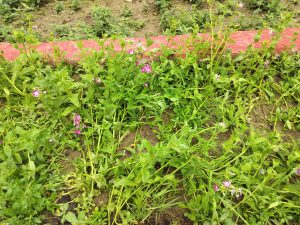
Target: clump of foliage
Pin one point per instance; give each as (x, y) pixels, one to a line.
(266, 5)
(9, 7)
(210, 149)
(178, 21)
(75, 5)
(59, 7)
(105, 24)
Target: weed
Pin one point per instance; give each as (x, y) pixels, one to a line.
(177, 22)
(75, 5)
(214, 157)
(126, 12)
(104, 23)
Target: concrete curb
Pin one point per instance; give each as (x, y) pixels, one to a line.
(71, 51)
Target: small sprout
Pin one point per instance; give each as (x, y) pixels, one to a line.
(216, 188)
(226, 183)
(262, 171)
(231, 173)
(146, 69)
(36, 93)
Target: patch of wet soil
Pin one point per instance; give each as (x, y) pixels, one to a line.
(171, 216)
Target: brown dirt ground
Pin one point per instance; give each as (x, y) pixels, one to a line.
(171, 216)
(66, 162)
(259, 120)
(143, 10)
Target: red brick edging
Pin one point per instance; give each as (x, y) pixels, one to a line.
(237, 42)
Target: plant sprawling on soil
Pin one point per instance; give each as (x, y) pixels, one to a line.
(118, 138)
(205, 139)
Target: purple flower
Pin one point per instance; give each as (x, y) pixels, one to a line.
(216, 187)
(146, 69)
(36, 93)
(76, 120)
(226, 183)
(77, 132)
(131, 52)
(298, 171)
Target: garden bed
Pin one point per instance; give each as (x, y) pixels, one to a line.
(126, 140)
(161, 130)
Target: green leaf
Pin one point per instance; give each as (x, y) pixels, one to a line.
(288, 124)
(68, 110)
(31, 166)
(74, 99)
(6, 91)
(71, 217)
(274, 204)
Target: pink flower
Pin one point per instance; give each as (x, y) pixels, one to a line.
(131, 52)
(76, 120)
(298, 171)
(146, 69)
(36, 93)
(77, 132)
(216, 188)
(226, 183)
(97, 80)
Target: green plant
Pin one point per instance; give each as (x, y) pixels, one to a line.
(59, 7)
(124, 140)
(75, 5)
(177, 22)
(104, 23)
(126, 12)
(9, 8)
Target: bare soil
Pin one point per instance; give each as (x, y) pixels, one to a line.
(46, 17)
(259, 120)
